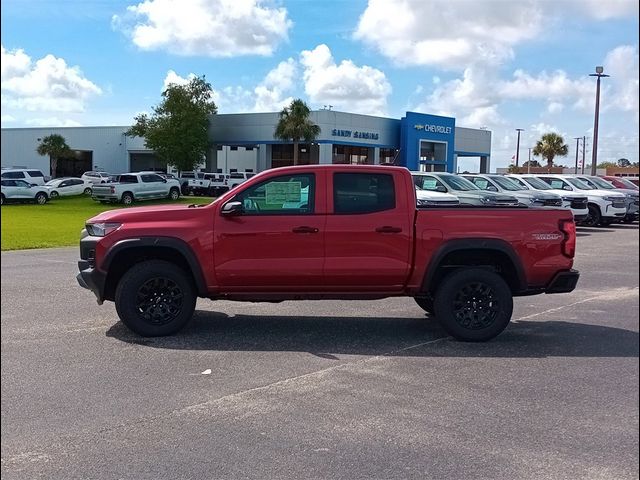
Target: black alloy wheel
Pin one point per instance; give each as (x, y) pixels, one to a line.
(593, 218)
(159, 300)
(155, 298)
(473, 304)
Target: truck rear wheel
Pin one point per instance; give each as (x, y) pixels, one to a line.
(473, 304)
(155, 298)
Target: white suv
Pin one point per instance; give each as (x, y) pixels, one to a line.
(32, 176)
(577, 202)
(96, 177)
(21, 191)
(605, 207)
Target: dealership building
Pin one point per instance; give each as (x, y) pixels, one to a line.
(245, 142)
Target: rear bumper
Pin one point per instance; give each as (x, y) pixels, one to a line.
(563, 282)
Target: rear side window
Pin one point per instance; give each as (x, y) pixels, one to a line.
(8, 183)
(355, 193)
(13, 175)
(35, 173)
(128, 179)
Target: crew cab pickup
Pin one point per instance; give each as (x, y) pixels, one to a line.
(131, 187)
(327, 232)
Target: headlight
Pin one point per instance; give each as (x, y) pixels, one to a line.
(102, 229)
(612, 199)
(423, 202)
(535, 200)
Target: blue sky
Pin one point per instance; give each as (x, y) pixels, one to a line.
(496, 64)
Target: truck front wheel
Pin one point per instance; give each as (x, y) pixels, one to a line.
(473, 304)
(155, 298)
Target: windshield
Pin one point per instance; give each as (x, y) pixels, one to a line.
(506, 183)
(579, 184)
(52, 182)
(458, 183)
(628, 183)
(599, 183)
(537, 183)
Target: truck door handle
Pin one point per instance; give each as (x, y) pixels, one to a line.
(305, 229)
(388, 229)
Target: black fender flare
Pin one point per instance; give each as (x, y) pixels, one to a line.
(488, 244)
(173, 243)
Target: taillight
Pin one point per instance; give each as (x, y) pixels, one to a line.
(568, 227)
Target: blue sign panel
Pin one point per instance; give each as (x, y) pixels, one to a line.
(438, 131)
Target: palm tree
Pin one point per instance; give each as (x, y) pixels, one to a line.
(55, 146)
(294, 124)
(550, 146)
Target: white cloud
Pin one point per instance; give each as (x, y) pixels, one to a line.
(447, 33)
(271, 92)
(456, 33)
(346, 86)
(555, 107)
(622, 64)
(7, 119)
(214, 28)
(173, 78)
(48, 84)
(52, 122)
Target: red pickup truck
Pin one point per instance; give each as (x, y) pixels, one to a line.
(327, 232)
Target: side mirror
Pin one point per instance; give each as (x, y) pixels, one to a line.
(491, 188)
(567, 187)
(232, 209)
(164, 180)
(441, 189)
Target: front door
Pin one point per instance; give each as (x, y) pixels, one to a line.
(277, 243)
(368, 233)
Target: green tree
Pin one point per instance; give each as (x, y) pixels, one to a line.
(624, 162)
(295, 125)
(533, 163)
(56, 147)
(549, 146)
(177, 131)
(607, 165)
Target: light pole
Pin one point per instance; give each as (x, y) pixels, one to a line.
(594, 147)
(577, 139)
(518, 146)
(584, 150)
(529, 162)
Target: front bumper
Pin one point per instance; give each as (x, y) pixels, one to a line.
(91, 279)
(563, 282)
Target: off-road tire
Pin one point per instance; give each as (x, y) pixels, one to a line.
(473, 304)
(155, 298)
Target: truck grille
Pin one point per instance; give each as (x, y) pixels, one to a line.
(579, 203)
(552, 202)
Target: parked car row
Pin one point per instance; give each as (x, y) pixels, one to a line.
(593, 200)
(211, 184)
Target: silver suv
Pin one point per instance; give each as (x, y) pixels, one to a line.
(462, 188)
(498, 183)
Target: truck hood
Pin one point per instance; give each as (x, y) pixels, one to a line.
(161, 213)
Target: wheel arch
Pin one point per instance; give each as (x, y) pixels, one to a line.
(129, 252)
(495, 254)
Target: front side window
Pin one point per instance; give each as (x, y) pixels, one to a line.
(507, 183)
(22, 183)
(284, 195)
(537, 183)
(481, 183)
(356, 193)
(580, 184)
(458, 183)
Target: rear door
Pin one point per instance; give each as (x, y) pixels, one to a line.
(368, 233)
(277, 243)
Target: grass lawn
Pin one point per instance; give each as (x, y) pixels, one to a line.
(58, 223)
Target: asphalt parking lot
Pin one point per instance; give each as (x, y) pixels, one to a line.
(322, 390)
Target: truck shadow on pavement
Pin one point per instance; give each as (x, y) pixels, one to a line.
(412, 337)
